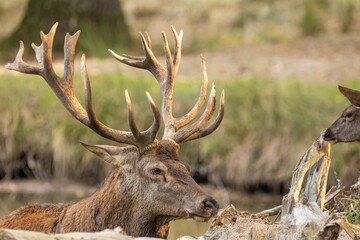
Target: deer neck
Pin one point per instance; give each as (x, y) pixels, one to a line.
(116, 204)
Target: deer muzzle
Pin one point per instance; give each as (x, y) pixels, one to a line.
(329, 136)
(203, 209)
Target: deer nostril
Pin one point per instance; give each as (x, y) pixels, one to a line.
(210, 205)
(328, 134)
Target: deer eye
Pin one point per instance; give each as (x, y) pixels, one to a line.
(348, 115)
(155, 171)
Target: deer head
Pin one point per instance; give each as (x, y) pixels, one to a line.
(346, 127)
(150, 174)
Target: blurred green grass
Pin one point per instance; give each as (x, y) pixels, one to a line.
(38, 135)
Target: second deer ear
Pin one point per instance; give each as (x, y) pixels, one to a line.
(119, 156)
(352, 95)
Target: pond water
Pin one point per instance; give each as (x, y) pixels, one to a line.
(243, 202)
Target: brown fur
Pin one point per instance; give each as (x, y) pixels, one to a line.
(142, 204)
(104, 209)
(35, 217)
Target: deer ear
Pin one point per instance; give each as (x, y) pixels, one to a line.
(352, 95)
(118, 156)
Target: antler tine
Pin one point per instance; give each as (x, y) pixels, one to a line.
(148, 62)
(213, 126)
(149, 58)
(38, 52)
(184, 120)
(137, 62)
(154, 129)
(167, 88)
(132, 123)
(69, 56)
(148, 40)
(177, 51)
(87, 92)
(47, 44)
(149, 135)
(184, 133)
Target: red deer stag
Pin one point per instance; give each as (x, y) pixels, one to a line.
(346, 127)
(151, 185)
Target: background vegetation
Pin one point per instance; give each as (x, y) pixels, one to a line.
(267, 126)
(268, 123)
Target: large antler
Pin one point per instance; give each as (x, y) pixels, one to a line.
(63, 88)
(177, 128)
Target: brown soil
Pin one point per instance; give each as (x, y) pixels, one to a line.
(328, 59)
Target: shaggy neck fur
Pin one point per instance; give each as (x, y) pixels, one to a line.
(115, 204)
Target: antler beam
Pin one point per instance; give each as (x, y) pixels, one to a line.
(63, 88)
